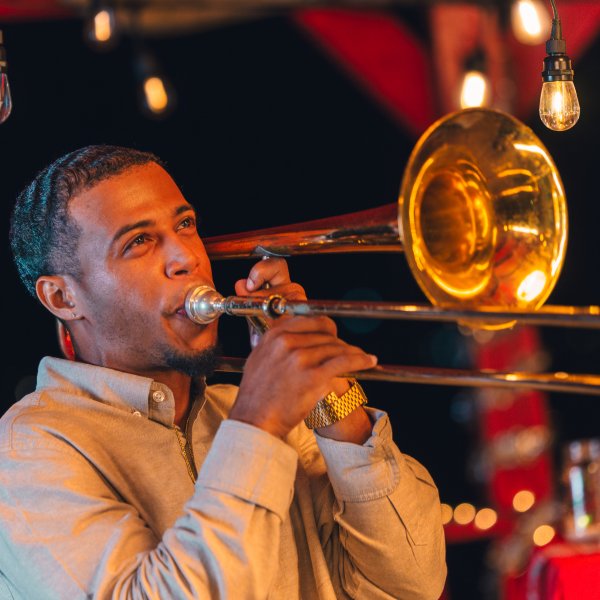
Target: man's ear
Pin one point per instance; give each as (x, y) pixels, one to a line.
(56, 294)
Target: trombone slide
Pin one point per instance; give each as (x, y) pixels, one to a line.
(551, 382)
(204, 304)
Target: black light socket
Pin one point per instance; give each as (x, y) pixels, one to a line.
(557, 65)
(476, 61)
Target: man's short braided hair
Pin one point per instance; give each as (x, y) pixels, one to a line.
(43, 236)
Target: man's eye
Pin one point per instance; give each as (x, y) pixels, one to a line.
(186, 223)
(138, 240)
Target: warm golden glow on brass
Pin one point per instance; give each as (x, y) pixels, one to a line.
(483, 214)
(481, 208)
(523, 229)
(523, 500)
(464, 513)
(532, 286)
(485, 518)
(543, 535)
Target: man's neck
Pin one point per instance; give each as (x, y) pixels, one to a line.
(180, 384)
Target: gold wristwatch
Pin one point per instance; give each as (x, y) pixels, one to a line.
(333, 408)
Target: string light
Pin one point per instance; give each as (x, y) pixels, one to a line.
(523, 501)
(474, 90)
(101, 26)
(486, 518)
(543, 535)
(447, 513)
(475, 86)
(559, 105)
(5, 97)
(530, 20)
(464, 513)
(157, 96)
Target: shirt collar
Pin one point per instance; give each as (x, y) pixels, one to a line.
(133, 393)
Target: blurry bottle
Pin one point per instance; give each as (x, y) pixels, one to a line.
(581, 480)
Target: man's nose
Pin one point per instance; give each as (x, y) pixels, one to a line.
(181, 260)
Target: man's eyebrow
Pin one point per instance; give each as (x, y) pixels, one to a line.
(149, 223)
(184, 208)
(127, 228)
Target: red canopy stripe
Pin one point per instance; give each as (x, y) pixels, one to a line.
(383, 55)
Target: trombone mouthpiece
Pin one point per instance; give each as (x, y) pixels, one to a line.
(203, 304)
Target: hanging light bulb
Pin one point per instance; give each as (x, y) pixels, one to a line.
(559, 106)
(5, 98)
(157, 96)
(475, 89)
(101, 26)
(530, 20)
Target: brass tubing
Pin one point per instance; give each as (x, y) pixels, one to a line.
(204, 304)
(372, 230)
(587, 317)
(550, 382)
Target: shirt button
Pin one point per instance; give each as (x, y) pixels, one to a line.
(136, 413)
(158, 396)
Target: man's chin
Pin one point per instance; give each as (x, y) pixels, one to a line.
(197, 363)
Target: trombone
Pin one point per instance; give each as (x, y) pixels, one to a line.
(204, 304)
(482, 220)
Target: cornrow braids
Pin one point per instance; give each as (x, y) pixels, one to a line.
(43, 236)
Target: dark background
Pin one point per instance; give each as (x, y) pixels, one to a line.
(268, 131)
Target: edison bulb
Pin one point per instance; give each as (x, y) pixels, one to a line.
(156, 96)
(101, 29)
(530, 21)
(5, 99)
(559, 106)
(474, 90)
(104, 25)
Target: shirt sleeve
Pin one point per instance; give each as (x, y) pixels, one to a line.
(71, 536)
(381, 527)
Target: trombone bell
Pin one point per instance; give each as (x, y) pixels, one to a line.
(481, 216)
(483, 213)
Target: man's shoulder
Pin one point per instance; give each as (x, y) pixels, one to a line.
(52, 416)
(27, 418)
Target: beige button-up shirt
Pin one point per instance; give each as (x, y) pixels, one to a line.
(97, 500)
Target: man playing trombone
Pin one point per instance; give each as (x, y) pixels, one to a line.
(125, 476)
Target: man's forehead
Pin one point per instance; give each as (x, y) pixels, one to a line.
(142, 192)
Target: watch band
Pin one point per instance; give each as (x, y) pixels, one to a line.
(333, 408)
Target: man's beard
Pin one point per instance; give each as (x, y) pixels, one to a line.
(201, 363)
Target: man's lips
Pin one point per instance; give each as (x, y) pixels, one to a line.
(179, 309)
(180, 315)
